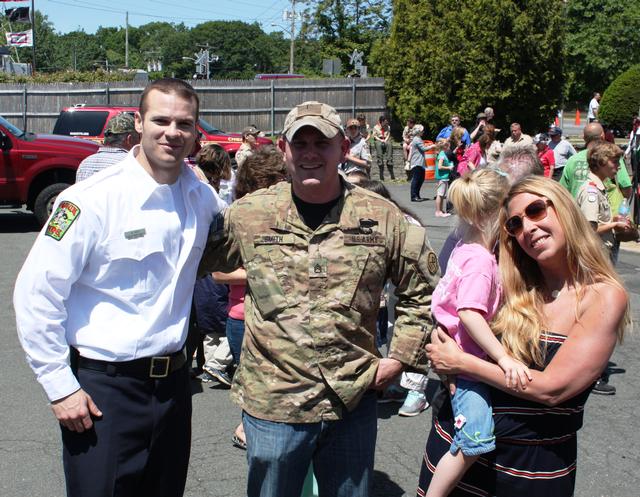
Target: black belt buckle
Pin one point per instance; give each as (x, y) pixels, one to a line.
(159, 367)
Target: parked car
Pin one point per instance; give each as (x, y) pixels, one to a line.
(34, 169)
(89, 122)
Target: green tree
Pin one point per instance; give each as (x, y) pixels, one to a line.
(342, 26)
(602, 42)
(167, 43)
(46, 39)
(244, 49)
(77, 51)
(621, 100)
(445, 56)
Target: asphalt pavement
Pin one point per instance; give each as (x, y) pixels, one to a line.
(30, 464)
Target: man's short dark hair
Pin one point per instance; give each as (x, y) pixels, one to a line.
(169, 86)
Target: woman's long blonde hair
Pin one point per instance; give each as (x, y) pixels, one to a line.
(521, 320)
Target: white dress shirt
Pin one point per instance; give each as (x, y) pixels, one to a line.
(118, 284)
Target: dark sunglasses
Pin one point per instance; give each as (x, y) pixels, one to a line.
(535, 211)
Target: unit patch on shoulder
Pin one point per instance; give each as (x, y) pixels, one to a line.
(432, 263)
(62, 219)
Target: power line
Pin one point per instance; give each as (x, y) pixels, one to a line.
(92, 6)
(96, 7)
(239, 2)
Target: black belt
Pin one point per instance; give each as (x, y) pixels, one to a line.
(145, 367)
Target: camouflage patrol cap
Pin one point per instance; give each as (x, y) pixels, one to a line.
(321, 116)
(120, 124)
(353, 122)
(250, 130)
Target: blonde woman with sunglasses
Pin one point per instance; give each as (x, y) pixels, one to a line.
(564, 310)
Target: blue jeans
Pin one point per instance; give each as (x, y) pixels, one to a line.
(342, 453)
(235, 335)
(471, 406)
(417, 178)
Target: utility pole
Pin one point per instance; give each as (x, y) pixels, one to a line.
(126, 40)
(33, 37)
(203, 61)
(293, 36)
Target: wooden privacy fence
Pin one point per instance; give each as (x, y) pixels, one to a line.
(228, 104)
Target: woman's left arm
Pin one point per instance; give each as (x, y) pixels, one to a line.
(577, 364)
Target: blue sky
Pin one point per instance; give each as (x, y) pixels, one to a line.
(69, 15)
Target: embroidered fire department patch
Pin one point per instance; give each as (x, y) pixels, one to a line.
(62, 219)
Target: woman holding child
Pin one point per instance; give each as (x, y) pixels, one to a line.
(563, 309)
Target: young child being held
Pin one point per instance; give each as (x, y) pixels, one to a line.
(463, 303)
(443, 170)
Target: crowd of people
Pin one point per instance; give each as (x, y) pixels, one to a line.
(278, 276)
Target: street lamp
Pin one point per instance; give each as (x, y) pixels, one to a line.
(291, 33)
(192, 60)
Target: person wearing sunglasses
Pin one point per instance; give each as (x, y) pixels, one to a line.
(564, 309)
(447, 130)
(464, 302)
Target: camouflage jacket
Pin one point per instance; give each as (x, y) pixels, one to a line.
(313, 298)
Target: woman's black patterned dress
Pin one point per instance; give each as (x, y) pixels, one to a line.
(536, 445)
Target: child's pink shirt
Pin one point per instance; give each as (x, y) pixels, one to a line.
(471, 282)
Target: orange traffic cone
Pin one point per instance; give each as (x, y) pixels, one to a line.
(556, 122)
(577, 123)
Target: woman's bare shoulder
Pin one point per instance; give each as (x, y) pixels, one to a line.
(603, 297)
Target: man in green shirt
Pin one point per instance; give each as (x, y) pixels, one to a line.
(576, 170)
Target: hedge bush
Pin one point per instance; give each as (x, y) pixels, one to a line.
(98, 76)
(620, 102)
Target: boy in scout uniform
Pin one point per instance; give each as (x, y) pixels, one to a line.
(603, 159)
(318, 252)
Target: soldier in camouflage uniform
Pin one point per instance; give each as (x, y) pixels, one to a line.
(317, 253)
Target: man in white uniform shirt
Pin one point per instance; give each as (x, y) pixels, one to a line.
(102, 305)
